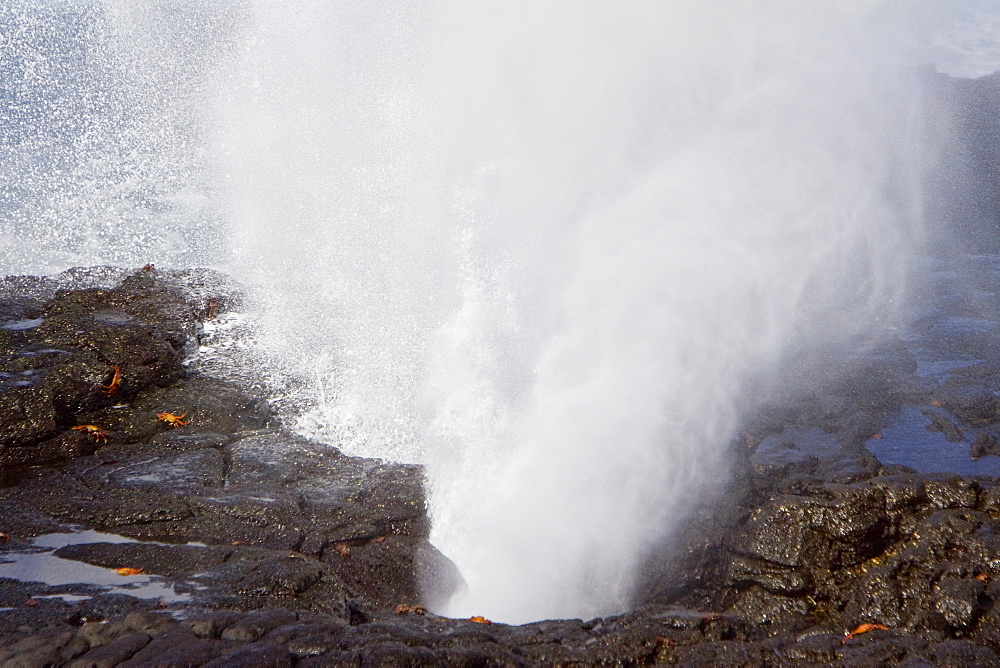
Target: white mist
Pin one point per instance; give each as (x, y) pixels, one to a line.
(549, 250)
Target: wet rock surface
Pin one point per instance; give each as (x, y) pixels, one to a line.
(220, 518)
(248, 545)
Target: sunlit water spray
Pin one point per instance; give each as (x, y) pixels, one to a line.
(547, 251)
(102, 133)
(552, 252)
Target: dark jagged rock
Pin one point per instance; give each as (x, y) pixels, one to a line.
(281, 551)
(59, 357)
(285, 528)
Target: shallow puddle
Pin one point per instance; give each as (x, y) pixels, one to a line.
(907, 441)
(39, 564)
(20, 325)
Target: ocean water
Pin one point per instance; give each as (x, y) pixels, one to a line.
(551, 251)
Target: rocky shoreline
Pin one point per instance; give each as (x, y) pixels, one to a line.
(244, 544)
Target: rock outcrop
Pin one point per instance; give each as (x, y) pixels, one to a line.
(249, 545)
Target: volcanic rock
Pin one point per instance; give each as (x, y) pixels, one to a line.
(282, 551)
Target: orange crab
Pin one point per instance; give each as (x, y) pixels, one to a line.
(95, 431)
(116, 381)
(863, 628)
(129, 571)
(173, 420)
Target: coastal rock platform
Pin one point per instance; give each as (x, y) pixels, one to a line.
(227, 540)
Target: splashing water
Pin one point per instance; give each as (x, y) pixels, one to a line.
(102, 132)
(552, 252)
(549, 257)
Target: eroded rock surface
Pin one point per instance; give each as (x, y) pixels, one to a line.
(249, 545)
(231, 512)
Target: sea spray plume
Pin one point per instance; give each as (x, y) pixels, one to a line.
(769, 212)
(547, 250)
